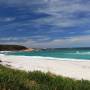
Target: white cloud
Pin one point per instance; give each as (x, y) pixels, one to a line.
(63, 13)
(66, 13)
(74, 41)
(23, 2)
(7, 39)
(7, 19)
(87, 32)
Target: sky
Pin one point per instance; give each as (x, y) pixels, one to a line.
(45, 23)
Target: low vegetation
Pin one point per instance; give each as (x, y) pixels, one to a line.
(20, 80)
(11, 47)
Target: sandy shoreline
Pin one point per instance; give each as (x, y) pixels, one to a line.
(72, 69)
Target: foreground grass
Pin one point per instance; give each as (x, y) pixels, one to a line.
(19, 80)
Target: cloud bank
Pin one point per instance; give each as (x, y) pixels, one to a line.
(45, 23)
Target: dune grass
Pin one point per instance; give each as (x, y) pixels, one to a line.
(20, 80)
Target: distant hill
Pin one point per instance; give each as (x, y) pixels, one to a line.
(11, 47)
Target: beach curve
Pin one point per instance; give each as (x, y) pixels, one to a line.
(68, 68)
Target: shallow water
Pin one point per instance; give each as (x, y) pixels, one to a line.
(65, 54)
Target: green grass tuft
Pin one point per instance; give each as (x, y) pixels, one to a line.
(20, 80)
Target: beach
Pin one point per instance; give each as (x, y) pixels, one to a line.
(69, 68)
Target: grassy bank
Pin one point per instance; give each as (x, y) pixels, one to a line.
(20, 80)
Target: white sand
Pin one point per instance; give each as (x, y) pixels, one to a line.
(73, 69)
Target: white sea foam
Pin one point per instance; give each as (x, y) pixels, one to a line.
(4, 51)
(48, 58)
(53, 58)
(2, 55)
(80, 53)
(84, 53)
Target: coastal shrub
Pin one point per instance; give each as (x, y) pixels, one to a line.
(20, 80)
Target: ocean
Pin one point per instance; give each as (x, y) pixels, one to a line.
(64, 54)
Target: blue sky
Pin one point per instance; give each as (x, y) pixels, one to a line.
(45, 23)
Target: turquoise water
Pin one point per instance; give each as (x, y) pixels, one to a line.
(68, 54)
